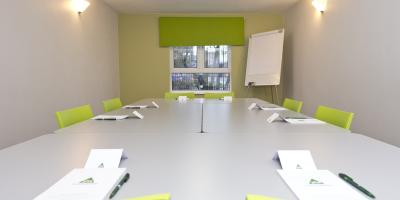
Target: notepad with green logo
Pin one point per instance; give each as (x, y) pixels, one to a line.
(88, 184)
(318, 184)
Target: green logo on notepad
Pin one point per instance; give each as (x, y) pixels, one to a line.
(87, 181)
(315, 182)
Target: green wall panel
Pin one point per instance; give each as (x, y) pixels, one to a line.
(201, 31)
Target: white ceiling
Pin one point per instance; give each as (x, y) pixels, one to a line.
(199, 6)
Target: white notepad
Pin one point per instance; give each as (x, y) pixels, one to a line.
(252, 106)
(272, 108)
(105, 158)
(227, 98)
(110, 117)
(303, 121)
(155, 104)
(137, 114)
(318, 184)
(182, 99)
(84, 184)
(135, 106)
(295, 160)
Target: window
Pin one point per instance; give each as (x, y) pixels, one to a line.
(200, 69)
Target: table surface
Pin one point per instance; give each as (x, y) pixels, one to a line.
(196, 166)
(218, 117)
(171, 117)
(234, 117)
(167, 153)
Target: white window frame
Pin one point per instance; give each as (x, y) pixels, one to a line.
(200, 69)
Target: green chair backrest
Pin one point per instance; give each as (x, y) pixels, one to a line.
(258, 197)
(112, 104)
(292, 105)
(218, 95)
(74, 115)
(171, 95)
(333, 116)
(153, 197)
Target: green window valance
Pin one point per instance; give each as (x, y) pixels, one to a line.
(201, 31)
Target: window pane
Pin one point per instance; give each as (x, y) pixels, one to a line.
(185, 57)
(216, 56)
(201, 81)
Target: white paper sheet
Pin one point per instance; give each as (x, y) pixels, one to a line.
(182, 98)
(252, 106)
(105, 158)
(319, 184)
(272, 108)
(303, 121)
(84, 184)
(110, 117)
(228, 98)
(155, 104)
(135, 106)
(137, 114)
(273, 117)
(295, 160)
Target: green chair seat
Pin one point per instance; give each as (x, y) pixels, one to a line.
(218, 95)
(258, 197)
(292, 105)
(334, 116)
(74, 115)
(174, 96)
(153, 197)
(112, 104)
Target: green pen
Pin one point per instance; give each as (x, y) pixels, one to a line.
(124, 180)
(350, 181)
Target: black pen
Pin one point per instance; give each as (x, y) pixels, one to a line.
(350, 181)
(106, 119)
(124, 180)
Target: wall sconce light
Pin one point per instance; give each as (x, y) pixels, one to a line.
(320, 5)
(80, 5)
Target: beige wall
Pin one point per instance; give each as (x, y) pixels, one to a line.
(52, 59)
(347, 58)
(144, 66)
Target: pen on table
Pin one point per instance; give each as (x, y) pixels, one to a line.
(106, 119)
(110, 119)
(124, 180)
(350, 181)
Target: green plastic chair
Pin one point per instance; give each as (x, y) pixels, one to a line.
(174, 96)
(218, 95)
(112, 104)
(333, 116)
(293, 105)
(153, 197)
(74, 115)
(258, 197)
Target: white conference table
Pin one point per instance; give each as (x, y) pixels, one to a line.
(171, 117)
(218, 117)
(197, 166)
(234, 117)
